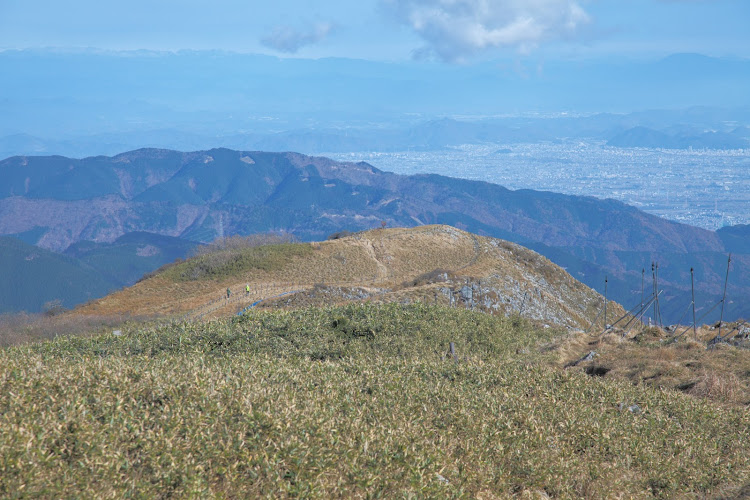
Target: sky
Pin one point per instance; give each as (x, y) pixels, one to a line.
(448, 31)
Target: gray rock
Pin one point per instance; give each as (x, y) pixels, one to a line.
(634, 408)
(587, 357)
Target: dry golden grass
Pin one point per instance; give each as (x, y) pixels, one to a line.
(22, 328)
(515, 278)
(721, 373)
(505, 278)
(725, 387)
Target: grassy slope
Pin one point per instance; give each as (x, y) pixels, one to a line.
(353, 401)
(378, 259)
(230, 264)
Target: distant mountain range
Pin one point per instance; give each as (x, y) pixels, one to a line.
(60, 203)
(699, 128)
(84, 103)
(644, 137)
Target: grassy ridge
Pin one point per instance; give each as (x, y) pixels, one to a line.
(356, 400)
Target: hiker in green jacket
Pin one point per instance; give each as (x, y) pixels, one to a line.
(247, 290)
(229, 293)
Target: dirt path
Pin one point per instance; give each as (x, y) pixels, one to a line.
(370, 250)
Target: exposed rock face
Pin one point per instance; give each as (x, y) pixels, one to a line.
(472, 272)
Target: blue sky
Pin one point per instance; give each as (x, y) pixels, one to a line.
(452, 31)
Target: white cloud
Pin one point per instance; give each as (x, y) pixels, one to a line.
(288, 39)
(456, 29)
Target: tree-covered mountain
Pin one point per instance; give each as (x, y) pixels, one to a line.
(33, 277)
(130, 256)
(57, 202)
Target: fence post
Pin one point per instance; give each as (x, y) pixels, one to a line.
(452, 351)
(605, 302)
(692, 290)
(658, 305)
(724, 298)
(643, 277)
(653, 279)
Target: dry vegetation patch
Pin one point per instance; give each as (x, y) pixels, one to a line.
(22, 328)
(720, 373)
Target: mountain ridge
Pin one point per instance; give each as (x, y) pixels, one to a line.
(201, 195)
(429, 264)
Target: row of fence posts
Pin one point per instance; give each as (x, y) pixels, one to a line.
(636, 313)
(639, 310)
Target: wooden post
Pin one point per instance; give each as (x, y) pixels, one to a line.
(724, 298)
(643, 277)
(658, 306)
(605, 302)
(653, 279)
(692, 289)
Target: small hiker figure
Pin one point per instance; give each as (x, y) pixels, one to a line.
(229, 293)
(247, 290)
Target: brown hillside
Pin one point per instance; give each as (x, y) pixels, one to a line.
(429, 263)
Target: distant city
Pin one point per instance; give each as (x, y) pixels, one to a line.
(704, 188)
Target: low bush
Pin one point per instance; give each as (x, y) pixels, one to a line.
(434, 276)
(338, 235)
